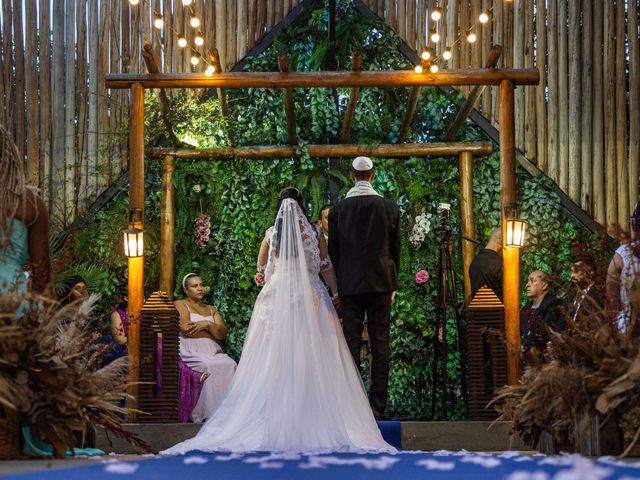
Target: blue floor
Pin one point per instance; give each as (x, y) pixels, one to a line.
(351, 466)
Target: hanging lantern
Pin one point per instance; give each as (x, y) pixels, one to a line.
(134, 236)
(515, 228)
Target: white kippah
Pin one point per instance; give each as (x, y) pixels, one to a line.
(362, 164)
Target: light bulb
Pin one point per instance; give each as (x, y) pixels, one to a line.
(195, 60)
(418, 69)
(194, 22)
(436, 15)
(182, 42)
(471, 38)
(434, 68)
(446, 55)
(484, 18)
(210, 70)
(186, 3)
(435, 37)
(158, 23)
(199, 40)
(425, 55)
(134, 2)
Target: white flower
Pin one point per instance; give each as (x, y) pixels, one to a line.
(197, 188)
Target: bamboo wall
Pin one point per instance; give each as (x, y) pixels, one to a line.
(53, 58)
(582, 127)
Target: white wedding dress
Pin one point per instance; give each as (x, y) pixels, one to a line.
(296, 387)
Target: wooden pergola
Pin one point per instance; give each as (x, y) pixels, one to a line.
(505, 79)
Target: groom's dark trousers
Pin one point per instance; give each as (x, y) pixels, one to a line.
(377, 308)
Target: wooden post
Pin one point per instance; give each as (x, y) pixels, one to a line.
(214, 55)
(465, 161)
(354, 95)
(167, 226)
(292, 137)
(136, 264)
(408, 114)
(510, 256)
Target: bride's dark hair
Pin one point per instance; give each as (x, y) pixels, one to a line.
(293, 193)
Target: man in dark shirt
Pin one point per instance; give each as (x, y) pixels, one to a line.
(543, 311)
(486, 267)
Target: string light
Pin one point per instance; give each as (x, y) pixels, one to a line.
(199, 40)
(425, 55)
(434, 68)
(436, 15)
(418, 69)
(195, 59)
(435, 36)
(158, 22)
(134, 2)
(471, 37)
(210, 70)
(447, 54)
(484, 18)
(186, 3)
(194, 22)
(182, 42)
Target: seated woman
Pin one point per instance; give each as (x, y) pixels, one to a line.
(120, 320)
(201, 327)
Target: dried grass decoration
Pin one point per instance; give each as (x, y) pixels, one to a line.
(50, 370)
(590, 368)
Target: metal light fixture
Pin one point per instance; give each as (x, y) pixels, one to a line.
(515, 228)
(134, 236)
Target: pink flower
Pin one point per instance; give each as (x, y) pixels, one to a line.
(422, 277)
(202, 230)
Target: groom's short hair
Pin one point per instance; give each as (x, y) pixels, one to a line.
(362, 174)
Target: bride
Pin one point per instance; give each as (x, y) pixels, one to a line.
(296, 387)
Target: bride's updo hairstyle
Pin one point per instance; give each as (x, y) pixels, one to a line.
(288, 192)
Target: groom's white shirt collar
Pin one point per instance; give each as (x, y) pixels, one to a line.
(361, 188)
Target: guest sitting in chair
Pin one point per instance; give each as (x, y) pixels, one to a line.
(201, 328)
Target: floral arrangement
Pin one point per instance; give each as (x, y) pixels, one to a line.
(421, 277)
(421, 227)
(203, 230)
(50, 373)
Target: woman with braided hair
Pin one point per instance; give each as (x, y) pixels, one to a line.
(24, 225)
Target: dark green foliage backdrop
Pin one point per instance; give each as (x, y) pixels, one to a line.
(240, 195)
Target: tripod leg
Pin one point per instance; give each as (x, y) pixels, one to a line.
(440, 320)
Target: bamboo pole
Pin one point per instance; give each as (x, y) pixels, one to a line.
(3, 111)
(279, 13)
(510, 255)
(167, 226)
(476, 57)
(411, 24)
(552, 128)
(45, 100)
(563, 94)
(393, 150)
(401, 28)
(486, 51)
(168, 41)
(507, 33)
(354, 95)
(586, 139)
(518, 62)
(385, 79)
(18, 45)
(412, 103)
(469, 103)
(251, 24)
(574, 172)
(599, 186)
(443, 25)
(92, 130)
(451, 18)
(232, 29)
(221, 31)
(390, 13)
(497, 40)
(241, 41)
(622, 166)
(222, 95)
(610, 117)
(70, 199)
(7, 48)
(465, 165)
(292, 136)
(529, 93)
(80, 173)
(56, 186)
(104, 160)
(271, 14)
(634, 102)
(540, 90)
(261, 19)
(33, 156)
(136, 264)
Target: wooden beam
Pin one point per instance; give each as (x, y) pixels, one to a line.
(167, 226)
(292, 137)
(472, 98)
(384, 79)
(350, 150)
(222, 94)
(510, 255)
(408, 114)
(136, 264)
(465, 165)
(153, 67)
(354, 96)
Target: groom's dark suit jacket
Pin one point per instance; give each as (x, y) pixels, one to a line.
(364, 244)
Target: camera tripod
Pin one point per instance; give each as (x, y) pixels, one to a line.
(447, 299)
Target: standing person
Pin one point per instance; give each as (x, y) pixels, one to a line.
(296, 388)
(24, 225)
(201, 328)
(587, 295)
(486, 266)
(323, 221)
(365, 250)
(622, 289)
(541, 312)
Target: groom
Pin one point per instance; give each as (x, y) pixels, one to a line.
(364, 246)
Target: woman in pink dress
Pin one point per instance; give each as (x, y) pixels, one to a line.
(201, 328)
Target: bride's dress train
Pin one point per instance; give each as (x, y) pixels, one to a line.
(296, 387)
